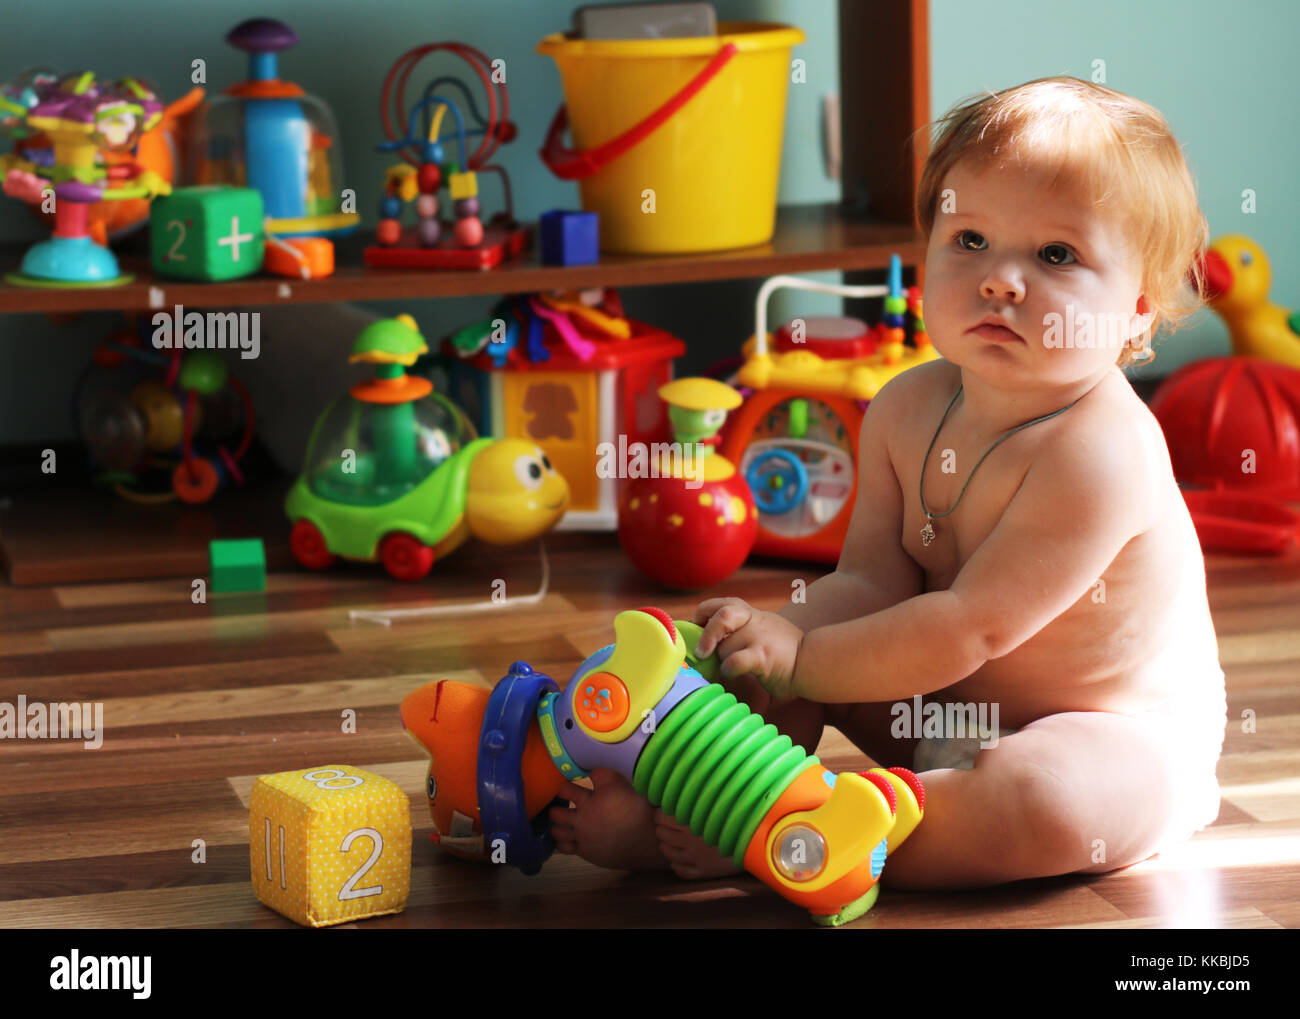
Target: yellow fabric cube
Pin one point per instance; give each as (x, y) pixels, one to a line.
(462, 185)
(330, 844)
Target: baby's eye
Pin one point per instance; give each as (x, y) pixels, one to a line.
(1057, 254)
(970, 235)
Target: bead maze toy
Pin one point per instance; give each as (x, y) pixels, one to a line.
(416, 135)
(570, 372)
(81, 120)
(162, 425)
(795, 437)
(268, 134)
(396, 472)
(646, 708)
(693, 505)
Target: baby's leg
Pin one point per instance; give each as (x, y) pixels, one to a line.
(1080, 791)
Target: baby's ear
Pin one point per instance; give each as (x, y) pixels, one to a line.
(1142, 318)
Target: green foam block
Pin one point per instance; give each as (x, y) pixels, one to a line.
(237, 565)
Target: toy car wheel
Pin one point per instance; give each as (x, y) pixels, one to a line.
(405, 557)
(309, 547)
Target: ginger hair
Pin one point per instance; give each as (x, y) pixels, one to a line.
(1116, 150)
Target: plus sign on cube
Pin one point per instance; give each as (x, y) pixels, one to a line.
(207, 233)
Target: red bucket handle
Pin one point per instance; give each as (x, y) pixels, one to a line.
(572, 164)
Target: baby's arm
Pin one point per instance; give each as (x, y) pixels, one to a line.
(1081, 501)
(874, 571)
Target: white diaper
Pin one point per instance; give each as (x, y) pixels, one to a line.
(934, 752)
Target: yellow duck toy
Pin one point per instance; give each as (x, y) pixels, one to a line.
(1237, 278)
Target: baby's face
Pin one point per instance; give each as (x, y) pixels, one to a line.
(1043, 261)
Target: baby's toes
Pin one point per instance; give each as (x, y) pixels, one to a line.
(689, 855)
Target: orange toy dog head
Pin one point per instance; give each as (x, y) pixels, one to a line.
(445, 718)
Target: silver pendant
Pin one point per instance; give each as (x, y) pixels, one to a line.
(927, 533)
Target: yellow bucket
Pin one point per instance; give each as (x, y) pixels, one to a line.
(678, 140)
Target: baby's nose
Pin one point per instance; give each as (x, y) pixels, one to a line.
(1003, 286)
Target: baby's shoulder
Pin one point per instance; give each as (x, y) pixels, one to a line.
(1112, 421)
(1110, 440)
(911, 393)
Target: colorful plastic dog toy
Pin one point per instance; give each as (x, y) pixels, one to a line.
(645, 707)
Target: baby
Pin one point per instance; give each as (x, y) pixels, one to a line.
(1018, 541)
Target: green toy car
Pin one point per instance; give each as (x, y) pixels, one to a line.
(395, 472)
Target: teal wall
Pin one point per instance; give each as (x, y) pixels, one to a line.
(1221, 75)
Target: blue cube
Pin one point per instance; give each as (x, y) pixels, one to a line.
(570, 238)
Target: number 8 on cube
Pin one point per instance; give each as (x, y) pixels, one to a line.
(330, 844)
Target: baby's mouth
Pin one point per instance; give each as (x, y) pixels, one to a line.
(996, 333)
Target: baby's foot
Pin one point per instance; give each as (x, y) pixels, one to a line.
(610, 825)
(689, 855)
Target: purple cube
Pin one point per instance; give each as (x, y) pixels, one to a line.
(570, 238)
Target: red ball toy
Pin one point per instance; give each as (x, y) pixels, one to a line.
(693, 522)
(1233, 423)
(683, 537)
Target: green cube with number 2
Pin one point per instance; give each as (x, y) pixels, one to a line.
(207, 233)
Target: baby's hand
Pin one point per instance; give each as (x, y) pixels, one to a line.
(610, 824)
(750, 642)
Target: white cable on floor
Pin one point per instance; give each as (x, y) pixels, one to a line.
(386, 618)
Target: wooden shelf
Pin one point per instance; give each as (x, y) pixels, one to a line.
(69, 536)
(808, 238)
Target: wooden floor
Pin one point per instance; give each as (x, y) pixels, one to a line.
(200, 699)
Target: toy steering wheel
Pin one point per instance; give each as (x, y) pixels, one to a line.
(779, 490)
